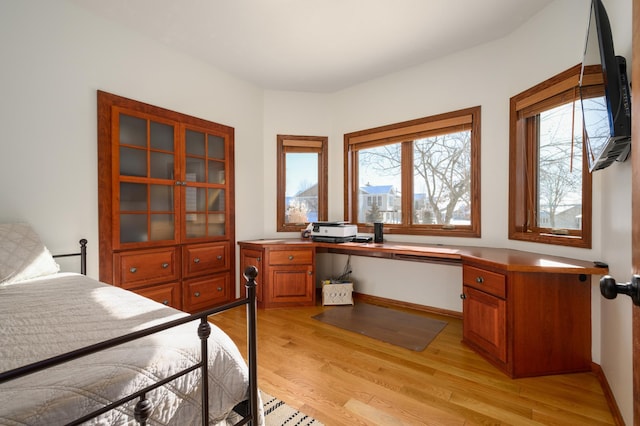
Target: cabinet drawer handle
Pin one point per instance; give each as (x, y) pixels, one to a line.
(219, 257)
(290, 257)
(196, 294)
(133, 269)
(196, 260)
(165, 302)
(258, 259)
(463, 296)
(219, 288)
(310, 272)
(165, 265)
(479, 280)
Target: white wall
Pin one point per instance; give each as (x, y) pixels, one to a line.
(56, 55)
(488, 76)
(54, 58)
(291, 113)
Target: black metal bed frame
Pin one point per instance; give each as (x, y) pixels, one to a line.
(144, 407)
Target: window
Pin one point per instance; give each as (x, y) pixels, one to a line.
(418, 177)
(549, 182)
(302, 181)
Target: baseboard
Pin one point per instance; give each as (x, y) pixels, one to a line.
(608, 394)
(382, 301)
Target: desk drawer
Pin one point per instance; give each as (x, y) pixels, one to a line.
(140, 267)
(291, 257)
(483, 280)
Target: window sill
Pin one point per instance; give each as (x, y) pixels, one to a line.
(554, 239)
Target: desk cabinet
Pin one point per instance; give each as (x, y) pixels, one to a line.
(251, 257)
(528, 323)
(286, 274)
(485, 315)
(528, 314)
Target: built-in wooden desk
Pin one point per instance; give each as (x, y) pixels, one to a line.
(527, 313)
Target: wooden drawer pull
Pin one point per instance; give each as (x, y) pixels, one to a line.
(479, 280)
(133, 269)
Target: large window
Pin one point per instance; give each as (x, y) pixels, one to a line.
(417, 177)
(549, 182)
(302, 181)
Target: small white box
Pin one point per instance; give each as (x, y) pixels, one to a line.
(337, 294)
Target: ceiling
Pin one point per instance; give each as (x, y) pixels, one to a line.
(317, 45)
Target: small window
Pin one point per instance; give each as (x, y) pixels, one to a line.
(302, 181)
(418, 177)
(549, 182)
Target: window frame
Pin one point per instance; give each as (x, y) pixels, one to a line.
(544, 96)
(301, 144)
(405, 133)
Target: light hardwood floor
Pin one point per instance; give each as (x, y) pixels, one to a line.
(343, 378)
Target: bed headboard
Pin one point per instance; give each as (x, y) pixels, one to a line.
(82, 253)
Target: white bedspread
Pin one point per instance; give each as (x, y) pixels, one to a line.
(45, 317)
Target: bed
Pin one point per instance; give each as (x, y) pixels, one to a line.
(77, 351)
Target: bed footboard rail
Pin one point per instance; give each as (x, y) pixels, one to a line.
(144, 407)
(82, 253)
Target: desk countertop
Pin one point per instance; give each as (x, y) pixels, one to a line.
(502, 258)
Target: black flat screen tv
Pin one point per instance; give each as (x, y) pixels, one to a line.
(604, 95)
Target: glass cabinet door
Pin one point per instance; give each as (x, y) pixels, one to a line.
(205, 179)
(147, 175)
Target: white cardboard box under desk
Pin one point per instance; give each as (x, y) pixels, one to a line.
(337, 293)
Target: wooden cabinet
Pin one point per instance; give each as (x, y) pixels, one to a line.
(528, 323)
(165, 203)
(286, 274)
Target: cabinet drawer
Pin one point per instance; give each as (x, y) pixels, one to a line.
(137, 268)
(291, 257)
(205, 258)
(487, 281)
(203, 293)
(167, 294)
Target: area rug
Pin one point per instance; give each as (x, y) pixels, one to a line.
(277, 413)
(398, 328)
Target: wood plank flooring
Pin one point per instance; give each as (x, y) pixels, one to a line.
(343, 378)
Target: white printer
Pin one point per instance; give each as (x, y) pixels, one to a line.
(333, 232)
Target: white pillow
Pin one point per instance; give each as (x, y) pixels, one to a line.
(22, 255)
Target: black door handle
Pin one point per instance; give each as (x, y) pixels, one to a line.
(609, 288)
